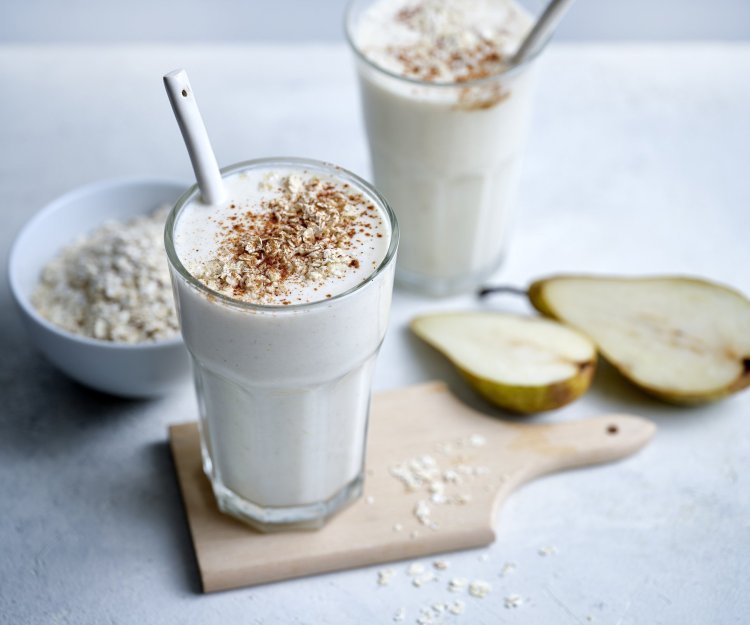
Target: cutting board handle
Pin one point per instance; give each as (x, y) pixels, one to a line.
(558, 446)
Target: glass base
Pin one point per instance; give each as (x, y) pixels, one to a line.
(307, 517)
(445, 287)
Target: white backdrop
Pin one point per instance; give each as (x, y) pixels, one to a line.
(320, 20)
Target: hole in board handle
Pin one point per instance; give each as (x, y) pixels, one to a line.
(184, 93)
(612, 429)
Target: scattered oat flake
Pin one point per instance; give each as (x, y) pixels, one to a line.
(441, 565)
(508, 567)
(415, 569)
(397, 527)
(439, 608)
(457, 607)
(436, 487)
(450, 476)
(399, 615)
(369, 500)
(513, 601)
(404, 475)
(477, 440)
(547, 551)
(457, 584)
(479, 588)
(422, 512)
(384, 576)
(421, 580)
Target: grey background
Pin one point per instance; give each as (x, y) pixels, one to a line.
(88, 21)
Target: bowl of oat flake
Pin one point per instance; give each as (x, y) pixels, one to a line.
(90, 277)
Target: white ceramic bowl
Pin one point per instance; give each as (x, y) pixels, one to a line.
(139, 370)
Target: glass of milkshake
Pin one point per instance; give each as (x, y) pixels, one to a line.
(446, 114)
(283, 292)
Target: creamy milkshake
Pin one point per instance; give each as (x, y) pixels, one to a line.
(446, 116)
(283, 294)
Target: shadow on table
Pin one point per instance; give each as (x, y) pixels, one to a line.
(161, 505)
(48, 422)
(42, 409)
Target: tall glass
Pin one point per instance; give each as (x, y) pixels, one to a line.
(284, 391)
(448, 158)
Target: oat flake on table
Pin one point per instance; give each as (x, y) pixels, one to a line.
(112, 284)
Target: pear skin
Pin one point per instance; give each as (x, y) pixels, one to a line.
(533, 399)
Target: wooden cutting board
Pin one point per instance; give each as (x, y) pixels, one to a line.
(486, 458)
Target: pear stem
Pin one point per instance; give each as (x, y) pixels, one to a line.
(513, 290)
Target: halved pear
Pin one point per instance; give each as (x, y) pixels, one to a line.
(684, 340)
(523, 364)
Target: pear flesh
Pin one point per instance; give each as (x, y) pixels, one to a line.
(522, 364)
(683, 340)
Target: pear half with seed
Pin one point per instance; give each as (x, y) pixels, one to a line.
(522, 364)
(684, 340)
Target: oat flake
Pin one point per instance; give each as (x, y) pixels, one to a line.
(513, 601)
(457, 607)
(112, 284)
(479, 588)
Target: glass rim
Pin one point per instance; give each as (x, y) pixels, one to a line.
(298, 163)
(510, 70)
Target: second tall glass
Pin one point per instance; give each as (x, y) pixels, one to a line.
(448, 158)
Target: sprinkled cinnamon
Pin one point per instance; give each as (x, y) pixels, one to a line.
(304, 234)
(443, 40)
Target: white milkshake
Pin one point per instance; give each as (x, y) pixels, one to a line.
(446, 120)
(283, 294)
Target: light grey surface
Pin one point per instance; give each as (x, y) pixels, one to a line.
(79, 21)
(637, 163)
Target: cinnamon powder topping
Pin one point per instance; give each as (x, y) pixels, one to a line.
(304, 233)
(444, 40)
